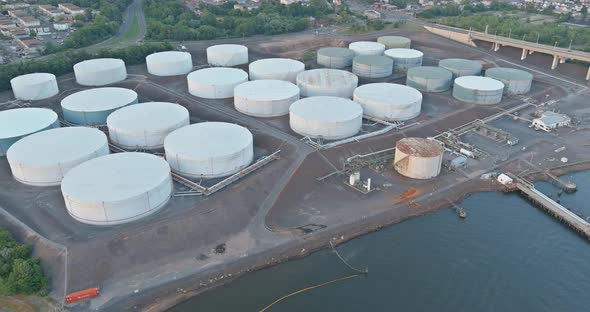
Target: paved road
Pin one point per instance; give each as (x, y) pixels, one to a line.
(135, 9)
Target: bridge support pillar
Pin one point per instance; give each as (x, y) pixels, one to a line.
(524, 54)
(588, 74)
(496, 46)
(561, 60)
(555, 62)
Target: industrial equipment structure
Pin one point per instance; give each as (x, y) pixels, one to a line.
(418, 158)
(429, 78)
(389, 101)
(327, 82)
(18, 123)
(100, 72)
(92, 107)
(145, 126)
(367, 48)
(227, 55)
(209, 149)
(216, 82)
(34, 87)
(372, 66)
(43, 158)
(276, 69)
(332, 57)
(404, 59)
(265, 98)
(478, 90)
(393, 42)
(515, 81)
(326, 117)
(169, 63)
(461, 67)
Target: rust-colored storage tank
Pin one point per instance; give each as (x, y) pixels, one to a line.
(418, 158)
(83, 294)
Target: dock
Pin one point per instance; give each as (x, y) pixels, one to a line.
(552, 207)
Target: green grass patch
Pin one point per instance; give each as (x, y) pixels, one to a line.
(132, 33)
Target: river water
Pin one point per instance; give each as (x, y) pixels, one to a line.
(506, 256)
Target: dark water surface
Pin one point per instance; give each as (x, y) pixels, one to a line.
(506, 256)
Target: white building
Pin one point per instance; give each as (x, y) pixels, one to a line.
(551, 120)
(71, 8)
(287, 2)
(504, 179)
(60, 26)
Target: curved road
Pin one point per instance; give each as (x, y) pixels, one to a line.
(135, 9)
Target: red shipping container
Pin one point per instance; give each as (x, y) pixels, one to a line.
(83, 294)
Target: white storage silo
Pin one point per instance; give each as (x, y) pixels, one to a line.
(326, 117)
(34, 87)
(327, 82)
(333, 57)
(367, 48)
(146, 125)
(92, 107)
(43, 158)
(515, 81)
(393, 42)
(276, 68)
(18, 123)
(372, 66)
(100, 72)
(461, 67)
(209, 149)
(227, 55)
(169, 63)
(404, 59)
(389, 101)
(215, 83)
(478, 90)
(418, 158)
(265, 98)
(429, 78)
(117, 188)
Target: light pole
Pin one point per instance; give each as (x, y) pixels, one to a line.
(538, 35)
(510, 33)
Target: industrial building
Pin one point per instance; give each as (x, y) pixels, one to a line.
(515, 81)
(33, 87)
(404, 59)
(146, 125)
(117, 188)
(429, 78)
(92, 107)
(461, 67)
(418, 158)
(551, 120)
(265, 98)
(209, 149)
(18, 123)
(169, 63)
(100, 72)
(335, 57)
(395, 42)
(326, 117)
(478, 90)
(43, 158)
(216, 82)
(276, 69)
(367, 48)
(389, 101)
(327, 82)
(372, 66)
(227, 55)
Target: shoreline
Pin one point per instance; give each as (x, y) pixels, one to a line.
(166, 296)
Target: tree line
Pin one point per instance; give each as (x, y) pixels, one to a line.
(62, 63)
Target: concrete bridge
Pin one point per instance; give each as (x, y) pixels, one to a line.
(560, 55)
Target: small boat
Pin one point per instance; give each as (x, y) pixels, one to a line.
(462, 214)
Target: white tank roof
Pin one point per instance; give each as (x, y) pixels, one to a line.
(115, 177)
(327, 81)
(99, 99)
(479, 83)
(99, 64)
(403, 53)
(34, 78)
(169, 63)
(227, 55)
(36, 86)
(266, 90)
(23, 121)
(367, 48)
(326, 109)
(217, 76)
(275, 68)
(101, 71)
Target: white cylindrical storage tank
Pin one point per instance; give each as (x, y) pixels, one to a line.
(117, 188)
(34, 87)
(404, 59)
(515, 81)
(394, 42)
(43, 158)
(276, 69)
(227, 55)
(146, 125)
(429, 78)
(92, 107)
(18, 123)
(389, 101)
(169, 63)
(215, 83)
(100, 72)
(372, 66)
(367, 48)
(418, 158)
(478, 90)
(461, 67)
(326, 117)
(327, 82)
(265, 98)
(209, 149)
(335, 57)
